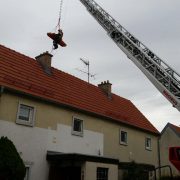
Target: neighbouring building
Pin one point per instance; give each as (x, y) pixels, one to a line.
(170, 137)
(65, 128)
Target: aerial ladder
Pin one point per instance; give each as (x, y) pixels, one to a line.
(162, 76)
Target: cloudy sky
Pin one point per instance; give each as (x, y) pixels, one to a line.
(24, 24)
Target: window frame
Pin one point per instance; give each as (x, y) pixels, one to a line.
(28, 165)
(120, 136)
(99, 173)
(27, 174)
(77, 133)
(149, 148)
(31, 118)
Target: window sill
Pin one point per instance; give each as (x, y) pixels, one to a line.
(123, 143)
(25, 123)
(148, 149)
(75, 133)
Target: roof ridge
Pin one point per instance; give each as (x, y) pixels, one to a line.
(17, 52)
(175, 126)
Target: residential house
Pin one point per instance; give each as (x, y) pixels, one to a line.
(170, 137)
(64, 127)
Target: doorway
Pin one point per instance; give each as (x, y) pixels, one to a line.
(65, 173)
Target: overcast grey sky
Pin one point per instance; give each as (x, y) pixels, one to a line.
(24, 24)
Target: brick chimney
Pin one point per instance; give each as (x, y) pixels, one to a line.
(106, 87)
(44, 60)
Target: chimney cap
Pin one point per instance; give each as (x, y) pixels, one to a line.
(44, 53)
(106, 87)
(104, 83)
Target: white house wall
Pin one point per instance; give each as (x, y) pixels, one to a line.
(91, 167)
(168, 139)
(62, 141)
(33, 143)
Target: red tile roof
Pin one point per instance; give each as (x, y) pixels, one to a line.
(175, 128)
(24, 74)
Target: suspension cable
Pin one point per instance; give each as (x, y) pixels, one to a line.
(60, 13)
(59, 21)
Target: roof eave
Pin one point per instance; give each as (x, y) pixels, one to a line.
(77, 109)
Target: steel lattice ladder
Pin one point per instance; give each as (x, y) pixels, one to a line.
(164, 78)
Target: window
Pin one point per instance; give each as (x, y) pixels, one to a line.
(123, 137)
(27, 173)
(28, 166)
(178, 153)
(148, 143)
(77, 127)
(25, 115)
(102, 173)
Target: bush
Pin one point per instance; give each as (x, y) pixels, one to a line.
(135, 172)
(11, 164)
(169, 178)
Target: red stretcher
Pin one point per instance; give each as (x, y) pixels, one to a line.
(53, 36)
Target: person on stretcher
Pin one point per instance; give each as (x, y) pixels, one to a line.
(57, 39)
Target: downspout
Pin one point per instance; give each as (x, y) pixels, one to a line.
(1, 90)
(159, 156)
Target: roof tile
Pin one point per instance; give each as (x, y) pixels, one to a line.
(176, 128)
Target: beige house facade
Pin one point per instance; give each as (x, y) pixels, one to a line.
(170, 137)
(80, 131)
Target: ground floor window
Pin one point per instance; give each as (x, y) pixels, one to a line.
(27, 173)
(102, 173)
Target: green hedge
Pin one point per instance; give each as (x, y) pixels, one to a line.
(11, 164)
(169, 178)
(135, 172)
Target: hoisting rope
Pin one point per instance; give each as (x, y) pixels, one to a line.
(59, 21)
(60, 13)
(58, 27)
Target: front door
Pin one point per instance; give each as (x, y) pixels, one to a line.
(65, 173)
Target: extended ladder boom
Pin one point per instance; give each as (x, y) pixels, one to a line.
(164, 78)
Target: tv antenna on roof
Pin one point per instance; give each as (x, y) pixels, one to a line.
(86, 62)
